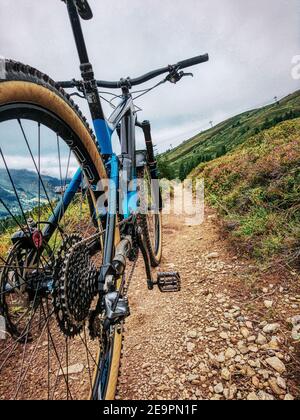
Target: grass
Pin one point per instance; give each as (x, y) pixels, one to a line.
(76, 219)
(256, 189)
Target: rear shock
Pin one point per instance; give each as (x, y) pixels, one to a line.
(146, 126)
(152, 162)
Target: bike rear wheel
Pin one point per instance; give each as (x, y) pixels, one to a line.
(49, 352)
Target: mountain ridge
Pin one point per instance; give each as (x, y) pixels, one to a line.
(229, 134)
(26, 184)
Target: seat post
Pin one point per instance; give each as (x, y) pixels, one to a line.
(77, 32)
(86, 68)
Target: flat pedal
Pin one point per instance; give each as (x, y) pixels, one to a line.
(169, 282)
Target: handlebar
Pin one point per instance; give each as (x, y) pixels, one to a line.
(155, 73)
(133, 82)
(193, 61)
(146, 77)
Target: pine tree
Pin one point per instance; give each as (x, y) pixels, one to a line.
(164, 169)
(182, 172)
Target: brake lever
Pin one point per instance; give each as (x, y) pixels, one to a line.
(188, 74)
(175, 76)
(77, 94)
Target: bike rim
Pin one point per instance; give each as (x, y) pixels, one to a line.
(153, 217)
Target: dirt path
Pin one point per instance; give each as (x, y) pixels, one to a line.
(226, 335)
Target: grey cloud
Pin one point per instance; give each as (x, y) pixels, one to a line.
(251, 44)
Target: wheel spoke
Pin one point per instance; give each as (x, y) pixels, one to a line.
(29, 363)
(88, 361)
(14, 188)
(39, 171)
(26, 342)
(35, 165)
(14, 345)
(58, 359)
(33, 174)
(12, 216)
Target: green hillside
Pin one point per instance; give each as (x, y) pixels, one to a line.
(256, 189)
(228, 135)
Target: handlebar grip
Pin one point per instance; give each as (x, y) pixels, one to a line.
(193, 61)
(84, 9)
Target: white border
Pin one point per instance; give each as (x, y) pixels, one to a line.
(2, 68)
(2, 328)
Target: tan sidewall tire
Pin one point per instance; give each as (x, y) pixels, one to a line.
(159, 253)
(19, 91)
(115, 365)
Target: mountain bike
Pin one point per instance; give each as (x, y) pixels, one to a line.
(74, 218)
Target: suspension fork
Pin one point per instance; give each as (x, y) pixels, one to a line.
(146, 127)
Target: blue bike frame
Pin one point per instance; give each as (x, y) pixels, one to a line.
(119, 168)
(124, 118)
(104, 130)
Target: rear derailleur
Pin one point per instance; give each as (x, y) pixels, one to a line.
(113, 301)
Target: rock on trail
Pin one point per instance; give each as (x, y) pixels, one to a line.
(213, 340)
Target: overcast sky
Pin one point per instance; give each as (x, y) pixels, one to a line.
(251, 44)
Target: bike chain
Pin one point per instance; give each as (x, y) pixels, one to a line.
(130, 277)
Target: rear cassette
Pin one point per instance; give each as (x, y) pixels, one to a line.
(75, 286)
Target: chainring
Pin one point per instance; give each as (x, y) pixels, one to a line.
(75, 285)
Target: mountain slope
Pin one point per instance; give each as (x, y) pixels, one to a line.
(26, 183)
(257, 191)
(228, 135)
